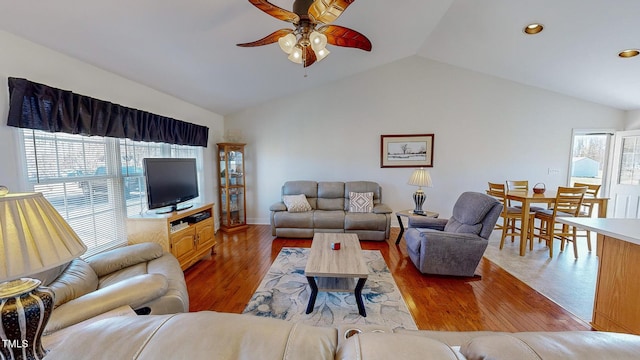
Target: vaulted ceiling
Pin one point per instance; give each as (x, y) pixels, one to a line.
(188, 48)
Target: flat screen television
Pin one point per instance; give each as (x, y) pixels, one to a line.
(170, 181)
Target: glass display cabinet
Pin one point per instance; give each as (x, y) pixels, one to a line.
(231, 187)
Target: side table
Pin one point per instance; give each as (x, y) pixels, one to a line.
(407, 214)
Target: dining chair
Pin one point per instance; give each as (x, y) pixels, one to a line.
(567, 203)
(517, 185)
(497, 191)
(521, 185)
(587, 208)
(510, 215)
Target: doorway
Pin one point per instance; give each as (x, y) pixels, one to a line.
(590, 151)
(624, 192)
(590, 157)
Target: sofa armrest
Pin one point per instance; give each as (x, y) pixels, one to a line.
(279, 206)
(442, 236)
(424, 222)
(553, 345)
(382, 209)
(133, 292)
(177, 297)
(111, 261)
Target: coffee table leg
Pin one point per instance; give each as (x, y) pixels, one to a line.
(358, 294)
(314, 293)
(401, 230)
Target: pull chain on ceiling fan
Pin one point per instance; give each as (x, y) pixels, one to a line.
(307, 43)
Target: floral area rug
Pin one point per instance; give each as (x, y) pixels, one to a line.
(284, 294)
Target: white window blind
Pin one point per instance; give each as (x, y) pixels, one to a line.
(95, 182)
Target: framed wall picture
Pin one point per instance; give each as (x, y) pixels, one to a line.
(406, 150)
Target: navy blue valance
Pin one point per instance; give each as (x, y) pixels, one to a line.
(41, 107)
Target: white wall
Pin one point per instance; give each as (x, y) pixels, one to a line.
(633, 120)
(486, 129)
(21, 58)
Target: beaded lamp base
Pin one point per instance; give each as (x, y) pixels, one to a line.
(23, 318)
(418, 199)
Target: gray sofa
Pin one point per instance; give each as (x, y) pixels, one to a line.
(223, 336)
(329, 211)
(141, 276)
(453, 246)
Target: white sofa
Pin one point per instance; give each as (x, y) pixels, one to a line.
(221, 336)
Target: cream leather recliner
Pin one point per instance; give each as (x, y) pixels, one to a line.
(141, 276)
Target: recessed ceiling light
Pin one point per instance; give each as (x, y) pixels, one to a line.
(533, 28)
(629, 53)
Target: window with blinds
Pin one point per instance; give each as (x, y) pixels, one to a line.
(95, 182)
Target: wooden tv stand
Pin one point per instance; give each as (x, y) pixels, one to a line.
(189, 239)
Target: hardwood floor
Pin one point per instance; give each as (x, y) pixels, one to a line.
(496, 301)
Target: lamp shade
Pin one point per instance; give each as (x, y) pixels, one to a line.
(33, 236)
(296, 54)
(318, 40)
(420, 177)
(322, 53)
(287, 43)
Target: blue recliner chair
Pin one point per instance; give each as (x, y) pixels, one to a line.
(453, 246)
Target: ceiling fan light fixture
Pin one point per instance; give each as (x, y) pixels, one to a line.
(313, 29)
(296, 54)
(322, 53)
(318, 40)
(533, 28)
(287, 43)
(629, 53)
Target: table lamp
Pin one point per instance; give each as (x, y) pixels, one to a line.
(419, 178)
(33, 238)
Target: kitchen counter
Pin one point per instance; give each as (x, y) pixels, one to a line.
(615, 306)
(623, 229)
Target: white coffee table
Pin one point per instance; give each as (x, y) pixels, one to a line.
(343, 270)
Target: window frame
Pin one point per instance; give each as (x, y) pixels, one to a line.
(119, 202)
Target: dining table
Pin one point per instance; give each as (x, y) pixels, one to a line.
(548, 197)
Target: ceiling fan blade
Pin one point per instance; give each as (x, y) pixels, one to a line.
(342, 36)
(309, 56)
(276, 11)
(269, 39)
(327, 11)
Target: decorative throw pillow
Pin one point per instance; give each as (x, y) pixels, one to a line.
(296, 203)
(360, 202)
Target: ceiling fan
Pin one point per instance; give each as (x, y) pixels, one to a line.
(306, 44)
